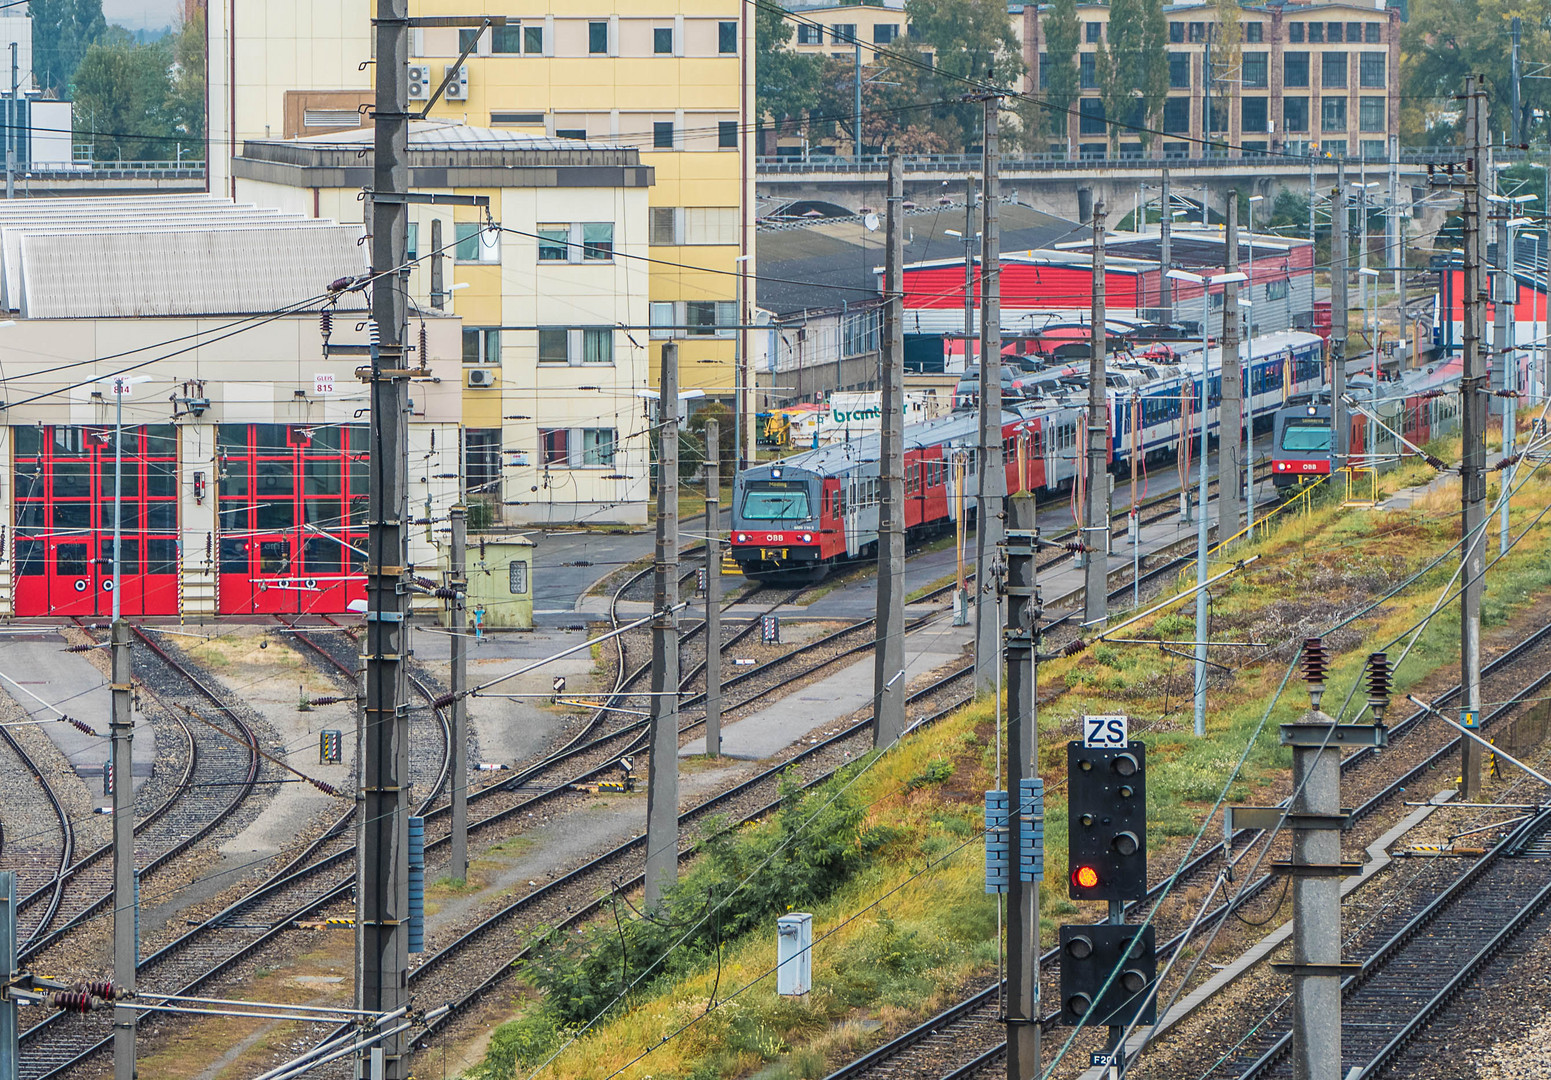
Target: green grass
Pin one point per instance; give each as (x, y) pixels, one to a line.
(880, 963)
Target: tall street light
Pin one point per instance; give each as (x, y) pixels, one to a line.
(1206, 318)
(121, 390)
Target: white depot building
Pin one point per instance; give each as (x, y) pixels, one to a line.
(244, 436)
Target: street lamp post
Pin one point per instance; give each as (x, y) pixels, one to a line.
(1201, 533)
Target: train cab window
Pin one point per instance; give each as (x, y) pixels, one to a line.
(1307, 435)
(777, 500)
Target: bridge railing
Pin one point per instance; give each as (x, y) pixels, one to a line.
(963, 163)
(113, 170)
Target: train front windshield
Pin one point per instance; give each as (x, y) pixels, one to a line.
(1309, 436)
(777, 500)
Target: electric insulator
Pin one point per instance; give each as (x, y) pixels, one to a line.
(1507, 462)
(1435, 463)
(445, 594)
(1315, 661)
(1379, 675)
(1075, 646)
(72, 1001)
(444, 701)
(326, 322)
(422, 343)
(81, 648)
(103, 989)
(79, 725)
(1076, 547)
(328, 700)
(373, 335)
(323, 786)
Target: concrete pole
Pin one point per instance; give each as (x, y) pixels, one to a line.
(1312, 182)
(1395, 254)
(1022, 762)
(457, 606)
(1316, 1033)
(121, 731)
(713, 589)
(888, 679)
(969, 265)
(662, 793)
(382, 909)
(1506, 347)
(9, 1025)
(1095, 529)
(1230, 427)
(991, 483)
(1339, 303)
(1166, 254)
(10, 131)
(1472, 390)
(438, 282)
(856, 131)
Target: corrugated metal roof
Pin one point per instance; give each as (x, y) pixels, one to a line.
(450, 135)
(143, 256)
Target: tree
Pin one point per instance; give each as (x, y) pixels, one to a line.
(1446, 40)
(186, 97)
(1062, 31)
(122, 94)
(62, 31)
(787, 82)
(1133, 68)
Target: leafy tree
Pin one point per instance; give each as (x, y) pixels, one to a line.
(1133, 68)
(1446, 40)
(62, 31)
(787, 82)
(186, 98)
(1062, 31)
(122, 95)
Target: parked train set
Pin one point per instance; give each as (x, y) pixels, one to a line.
(796, 518)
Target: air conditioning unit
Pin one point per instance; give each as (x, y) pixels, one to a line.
(458, 88)
(480, 377)
(419, 82)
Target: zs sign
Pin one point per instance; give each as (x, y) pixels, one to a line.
(1105, 732)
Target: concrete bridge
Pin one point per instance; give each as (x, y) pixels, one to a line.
(1066, 187)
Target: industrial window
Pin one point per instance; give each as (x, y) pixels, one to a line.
(1176, 33)
(1093, 32)
(473, 243)
(707, 318)
(598, 38)
(1276, 290)
(810, 35)
(412, 248)
(1370, 113)
(1254, 32)
(554, 345)
(597, 446)
(580, 134)
(1253, 115)
(1370, 69)
(727, 38)
(664, 226)
(520, 119)
(1087, 72)
(710, 225)
(662, 321)
(1295, 114)
(884, 33)
(598, 241)
(662, 40)
(843, 33)
(1354, 32)
(1332, 70)
(1316, 33)
(1091, 116)
(1332, 114)
(662, 135)
(554, 446)
(860, 332)
(467, 36)
(1198, 31)
(727, 134)
(482, 345)
(1371, 33)
(1295, 69)
(1044, 71)
(1295, 32)
(1179, 71)
(589, 241)
(482, 459)
(1176, 115)
(533, 40)
(1333, 33)
(553, 243)
(1255, 71)
(506, 39)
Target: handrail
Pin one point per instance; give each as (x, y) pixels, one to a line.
(1416, 155)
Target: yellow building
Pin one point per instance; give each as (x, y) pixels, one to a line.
(675, 81)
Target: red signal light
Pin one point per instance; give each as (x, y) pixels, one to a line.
(1085, 877)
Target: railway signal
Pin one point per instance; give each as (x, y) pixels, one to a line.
(1107, 821)
(1107, 974)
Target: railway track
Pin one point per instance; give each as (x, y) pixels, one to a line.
(970, 1011)
(41, 861)
(219, 776)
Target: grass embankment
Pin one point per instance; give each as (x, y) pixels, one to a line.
(892, 868)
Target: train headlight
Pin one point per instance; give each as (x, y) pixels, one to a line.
(1312, 410)
(743, 538)
(807, 538)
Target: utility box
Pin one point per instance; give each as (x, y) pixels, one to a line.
(500, 573)
(794, 954)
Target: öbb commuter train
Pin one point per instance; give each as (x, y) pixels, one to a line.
(796, 518)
